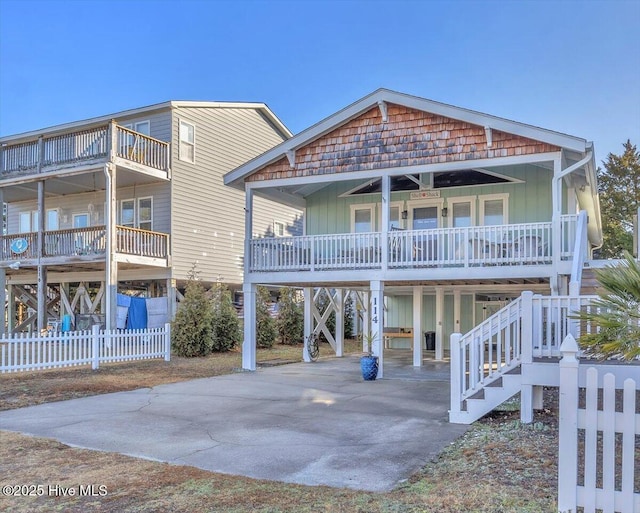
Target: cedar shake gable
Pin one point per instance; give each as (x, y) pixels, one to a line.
(410, 137)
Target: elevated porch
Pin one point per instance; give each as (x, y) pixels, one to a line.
(79, 150)
(511, 250)
(76, 245)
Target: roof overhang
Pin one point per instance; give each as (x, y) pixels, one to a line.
(236, 177)
(101, 120)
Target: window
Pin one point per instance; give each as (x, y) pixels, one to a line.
(29, 221)
(137, 213)
(145, 213)
(52, 219)
(278, 229)
(187, 142)
(81, 220)
(493, 209)
(25, 222)
(128, 213)
(362, 218)
(394, 215)
(461, 211)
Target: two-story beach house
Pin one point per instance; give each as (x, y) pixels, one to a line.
(436, 217)
(128, 202)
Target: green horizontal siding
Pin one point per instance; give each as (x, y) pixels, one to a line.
(528, 202)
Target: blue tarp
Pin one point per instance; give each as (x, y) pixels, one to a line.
(137, 318)
(123, 300)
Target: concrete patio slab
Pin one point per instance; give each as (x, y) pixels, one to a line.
(313, 424)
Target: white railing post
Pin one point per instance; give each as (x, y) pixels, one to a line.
(167, 342)
(568, 427)
(456, 375)
(95, 346)
(526, 347)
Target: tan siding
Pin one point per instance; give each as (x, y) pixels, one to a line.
(208, 218)
(160, 123)
(79, 203)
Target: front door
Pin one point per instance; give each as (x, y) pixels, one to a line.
(425, 245)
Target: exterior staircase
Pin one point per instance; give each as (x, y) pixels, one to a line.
(589, 284)
(487, 362)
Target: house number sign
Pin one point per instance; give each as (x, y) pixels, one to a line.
(19, 245)
(375, 310)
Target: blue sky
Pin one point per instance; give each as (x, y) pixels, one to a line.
(570, 66)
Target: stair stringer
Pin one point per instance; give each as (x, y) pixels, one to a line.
(488, 398)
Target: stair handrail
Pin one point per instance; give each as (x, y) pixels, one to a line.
(579, 254)
(475, 362)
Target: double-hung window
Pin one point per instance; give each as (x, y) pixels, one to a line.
(187, 142)
(28, 221)
(137, 213)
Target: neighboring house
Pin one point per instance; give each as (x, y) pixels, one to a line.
(435, 216)
(129, 202)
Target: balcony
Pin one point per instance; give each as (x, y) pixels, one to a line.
(89, 147)
(472, 247)
(82, 244)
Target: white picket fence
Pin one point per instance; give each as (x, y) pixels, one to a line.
(25, 352)
(604, 479)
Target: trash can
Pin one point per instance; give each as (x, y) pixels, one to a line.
(66, 323)
(430, 340)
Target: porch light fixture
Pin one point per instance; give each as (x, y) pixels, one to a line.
(405, 214)
(444, 212)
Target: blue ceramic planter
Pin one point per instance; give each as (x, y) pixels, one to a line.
(369, 367)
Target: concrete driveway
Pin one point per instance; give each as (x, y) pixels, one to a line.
(313, 424)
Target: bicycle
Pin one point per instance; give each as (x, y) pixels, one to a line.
(313, 348)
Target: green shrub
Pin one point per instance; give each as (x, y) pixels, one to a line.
(265, 324)
(290, 320)
(191, 330)
(225, 323)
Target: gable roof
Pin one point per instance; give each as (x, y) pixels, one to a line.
(236, 177)
(262, 107)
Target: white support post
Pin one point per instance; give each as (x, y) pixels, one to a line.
(171, 298)
(556, 237)
(457, 328)
(386, 211)
(167, 342)
(526, 350)
(111, 265)
(3, 300)
(42, 269)
(568, 426)
(95, 346)
(11, 309)
(456, 378)
(439, 323)
(248, 228)
(308, 321)
(339, 300)
(417, 326)
(377, 322)
(249, 342)
(366, 320)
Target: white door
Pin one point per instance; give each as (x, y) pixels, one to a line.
(425, 245)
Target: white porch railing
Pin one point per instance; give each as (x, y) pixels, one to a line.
(134, 241)
(310, 253)
(528, 327)
(514, 244)
(24, 352)
(142, 149)
(605, 478)
(41, 154)
(86, 242)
